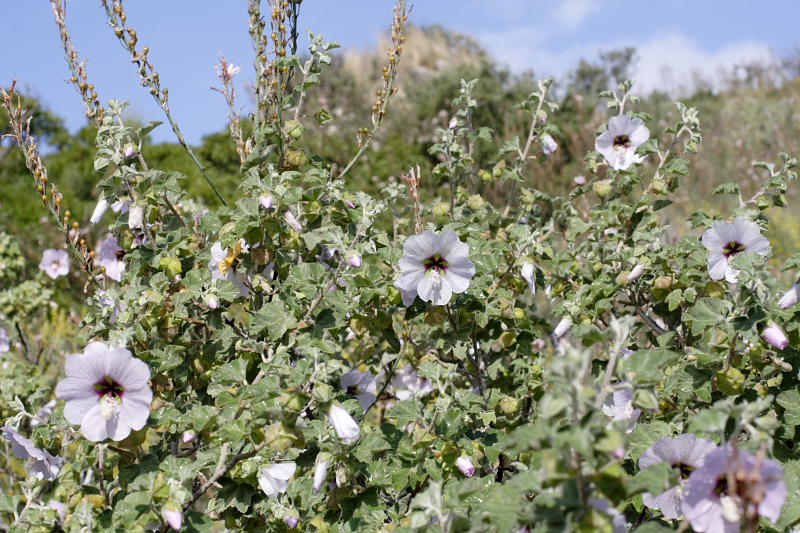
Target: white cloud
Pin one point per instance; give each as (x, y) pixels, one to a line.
(570, 14)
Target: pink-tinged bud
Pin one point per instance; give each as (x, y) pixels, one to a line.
(99, 210)
(579, 180)
(188, 436)
(265, 201)
(354, 260)
(790, 298)
(129, 151)
(212, 301)
(775, 336)
(549, 145)
(563, 327)
(464, 464)
(636, 273)
(172, 515)
(350, 204)
(291, 522)
(539, 344)
(453, 123)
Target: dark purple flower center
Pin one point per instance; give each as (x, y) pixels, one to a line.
(684, 469)
(435, 262)
(120, 254)
(733, 248)
(107, 386)
(722, 488)
(622, 141)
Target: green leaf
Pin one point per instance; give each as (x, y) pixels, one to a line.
(274, 318)
(790, 400)
(646, 367)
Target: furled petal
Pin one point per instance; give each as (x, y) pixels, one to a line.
(346, 428)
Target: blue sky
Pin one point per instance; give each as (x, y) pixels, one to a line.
(675, 39)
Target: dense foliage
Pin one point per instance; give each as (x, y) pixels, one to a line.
(275, 343)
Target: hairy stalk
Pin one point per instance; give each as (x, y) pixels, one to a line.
(226, 71)
(365, 136)
(21, 134)
(150, 79)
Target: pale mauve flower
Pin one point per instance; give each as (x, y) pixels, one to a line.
(465, 465)
(724, 241)
(129, 151)
(42, 464)
(346, 428)
(605, 507)
(172, 515)
(265, 201)
(775, 336)
(274, 479)
(434, 267)
(222, 266)
(684, 453)
(549, 145)
(790, 297)
(619, 408)
(406, 384)
(44, 414)
(54, 263)
(619, 142)
(109, 256)
(106, 391)
(354, 260)
(291, 521)
(363, 385)
(710, 504)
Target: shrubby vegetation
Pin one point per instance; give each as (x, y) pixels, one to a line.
(483, 302)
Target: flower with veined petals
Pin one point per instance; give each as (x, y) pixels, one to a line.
(274, 479)
(107, 392)
(109, 256)
(406, 384)
(619, 142)
(346, 428)
(619, 408)
(710, 503)
(684, 453)
(55, 263)
(790, 297)
(43, 465)
(434, 267)
(724, 241)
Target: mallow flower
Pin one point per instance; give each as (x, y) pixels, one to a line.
(712, 505)
(775, 336)
(619, 142)
(172, 515)
(434, 267)
(465, 465)
(107, 392)
(406, 384)
(346, 428)
(549, 145)
(274, 479)
(724, 241)
(790, 298)
(222, 266)
(684, 453)
(43, 465)
(54, 263)
(363, 385)
(619, 408)
(109, 256)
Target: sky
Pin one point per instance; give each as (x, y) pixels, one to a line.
(674, 38)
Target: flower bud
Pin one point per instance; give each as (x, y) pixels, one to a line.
(293, 129)
(475, 202)
(129, 151)
(212, 301)
(579, 181)
(635, 273)
(172, 515)
(188, 436)
(775, 336)
(790, 298)
(453, 123)
(354, 260)
(549, 145)
(321, 471)
(291, 522)
(602, 188)
(464, 464)
(265, 201)
(563, 327)
(135, 217)
(350, 204)
(292, 221)
(99, 210)
(346, 428)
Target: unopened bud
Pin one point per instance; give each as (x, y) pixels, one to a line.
(789, 299)
(464, 464)
(354, 260)
(636, 273)
(172, 515)
(129, 151)
(775, 336)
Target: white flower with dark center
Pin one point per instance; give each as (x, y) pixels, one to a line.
(43, 465)
(223, 265)
(434, 267)
(109, 256)
(362, 385)
(619, 408)
(55, 263)
(619, 142)
(724, 241)
(684, 453)
(346, 428)
(274, 479)
(407, 384)
(107, 392)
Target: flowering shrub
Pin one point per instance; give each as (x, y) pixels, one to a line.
(310, 357)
